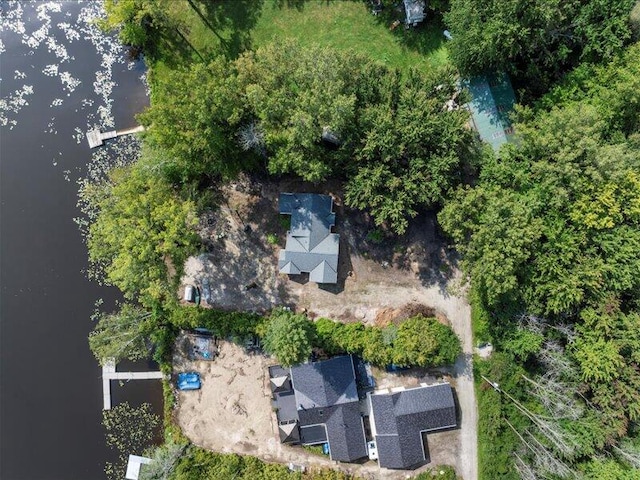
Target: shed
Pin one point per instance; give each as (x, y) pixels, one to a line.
(492, 100)
(414, 11)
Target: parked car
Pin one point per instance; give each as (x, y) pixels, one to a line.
(189, 381)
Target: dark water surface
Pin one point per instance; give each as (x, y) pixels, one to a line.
(51, 389)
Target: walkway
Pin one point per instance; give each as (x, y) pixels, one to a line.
(109, 373)
(96, 138)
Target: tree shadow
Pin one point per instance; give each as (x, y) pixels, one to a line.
(423, 249)
(231, 21)
(173, 49)
(297, 4)
(424, 38)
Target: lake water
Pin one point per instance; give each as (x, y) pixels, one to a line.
(59, 76)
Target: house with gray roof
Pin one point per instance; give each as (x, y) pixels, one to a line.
(399, 418)
(319, 402)
(311, 247)
(322, 406)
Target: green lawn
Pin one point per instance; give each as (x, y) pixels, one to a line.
(347, 24)
(232, 26)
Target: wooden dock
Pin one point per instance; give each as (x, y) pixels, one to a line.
(109, 373)
(96, 138)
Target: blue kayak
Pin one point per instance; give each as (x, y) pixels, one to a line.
(188, 381)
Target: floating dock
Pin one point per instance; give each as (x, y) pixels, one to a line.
(133, 466)
(109, 373)
(96, 138)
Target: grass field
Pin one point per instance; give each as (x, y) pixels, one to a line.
(232, 26)
(345, 24)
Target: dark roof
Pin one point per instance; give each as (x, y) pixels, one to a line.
(289, 433)
(313, 434)
(311, 247)
(400, 417)
(326, 383)
(326, 395)
(285, 402)
(278, 371)
(280, 384)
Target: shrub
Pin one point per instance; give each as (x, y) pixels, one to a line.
(424, 342)
(419, 341)
(230, 325)
(289, 337)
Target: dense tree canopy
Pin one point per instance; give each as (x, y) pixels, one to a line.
(295, 93)
(194, 116)
(411, 151)
(537, 40)
(140, 227)
(397, 139)
(555, 220)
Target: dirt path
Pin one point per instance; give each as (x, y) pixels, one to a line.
(366, 302)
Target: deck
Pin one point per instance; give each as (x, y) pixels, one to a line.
(96, 138)
(109, 373)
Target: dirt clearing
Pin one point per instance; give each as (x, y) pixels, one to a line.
(381, 279)
(232, 413)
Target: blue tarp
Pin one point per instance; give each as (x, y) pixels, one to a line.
(188, 381)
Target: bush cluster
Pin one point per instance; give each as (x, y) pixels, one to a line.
(418, 341)
(235, 326)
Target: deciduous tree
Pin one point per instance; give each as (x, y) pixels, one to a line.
(195, 115)
(295, 92)
(425, 342)
(121, 334)
(537, 41)
(140, 227)
(289, 337)
(412, 148)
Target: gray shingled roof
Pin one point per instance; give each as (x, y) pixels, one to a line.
(285, 402)
(326, 394)
(326, 383)
(400, 418)
(313, 434)
(310, 247)
(289, 433)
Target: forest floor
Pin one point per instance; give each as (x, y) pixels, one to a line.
(380, 278)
